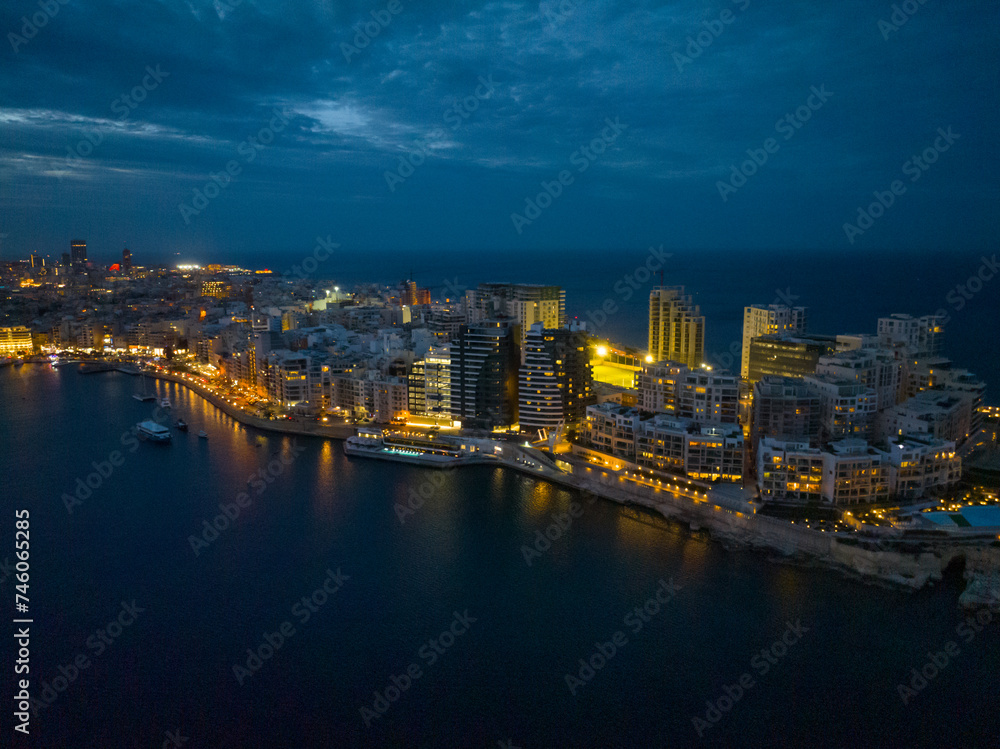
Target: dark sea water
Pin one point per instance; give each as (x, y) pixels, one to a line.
(502, 678)
(845, 292)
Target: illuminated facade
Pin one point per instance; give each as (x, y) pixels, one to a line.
(484, 367)
(787, 356)
(676, 327)
(708, 396)
(527, 304)
(556, 382)
(15, 340)
(847, 409)
(771, 319)
(658, 383)
(430, 384)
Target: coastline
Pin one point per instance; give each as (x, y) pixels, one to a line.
(909, 569)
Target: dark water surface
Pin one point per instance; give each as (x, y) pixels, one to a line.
(501, 678)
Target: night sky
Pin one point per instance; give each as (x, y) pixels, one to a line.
(493, 100)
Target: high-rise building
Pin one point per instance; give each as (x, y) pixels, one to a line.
(430, 384)
(78, 254)
(524, 303)
(126, 260)
(770, 319)
(485, 358)
(787, 356)
(676, 327)
(556, 380)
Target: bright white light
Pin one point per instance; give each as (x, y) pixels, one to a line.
(602, 351)
(649, 358)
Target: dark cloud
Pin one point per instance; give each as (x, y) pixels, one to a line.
(560, 70)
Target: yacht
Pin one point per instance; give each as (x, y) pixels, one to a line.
(181, 424)
(154, 432)
(203, 434)
(165, 403)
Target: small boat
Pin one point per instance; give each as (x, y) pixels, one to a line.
(165, 403)
(181, 424)
(203, 434)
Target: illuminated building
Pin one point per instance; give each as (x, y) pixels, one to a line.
(78, 255)
(15, 340)
(918, 467)
(657, 384)
(847, 409)
(524, 303)
(941, 414)
(556, 381)
(699, 450)
(785, 408)
(922, 336)
(430, 384)
(772, 319)
(217, 288)
(484, 365)
(702, 450)
(708, 396)
(879, 369)
(787, 356)
(676, 327)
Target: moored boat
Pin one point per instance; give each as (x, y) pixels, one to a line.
(153, 432)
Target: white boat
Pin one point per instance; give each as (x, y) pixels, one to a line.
(154, 432)
(165, 403)
(203, 434)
